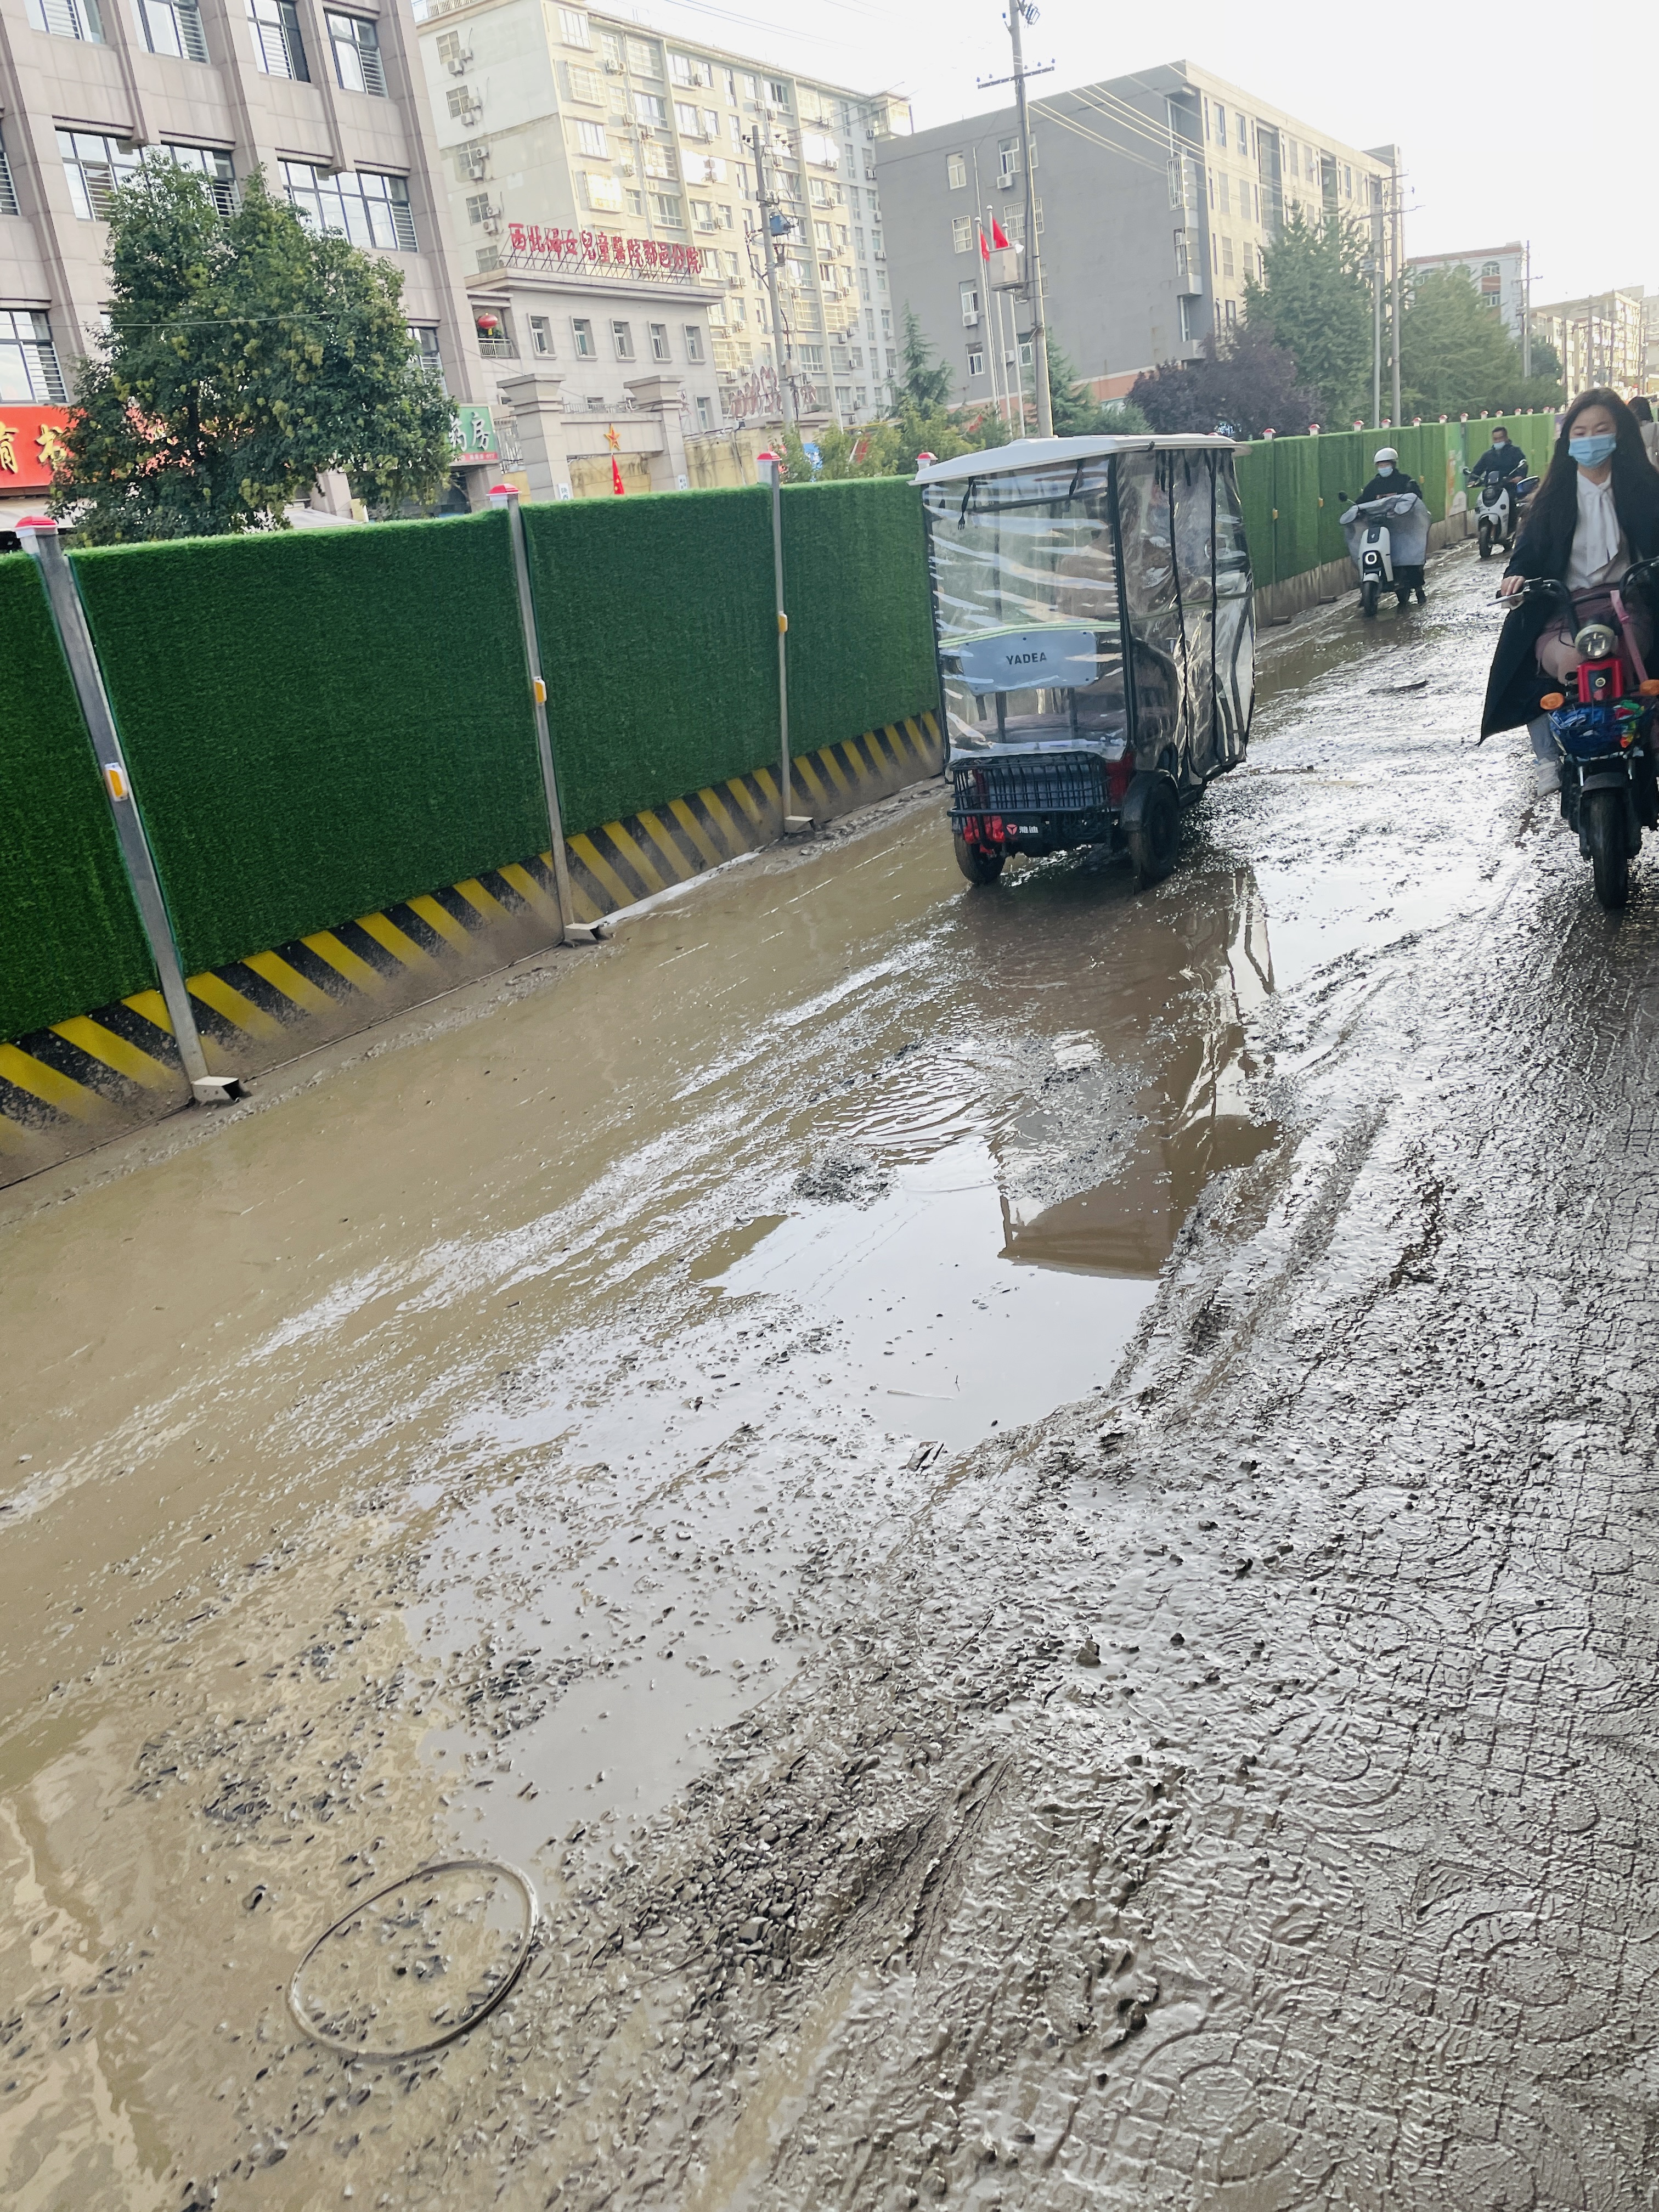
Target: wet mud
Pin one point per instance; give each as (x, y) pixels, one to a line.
(1031, 1510)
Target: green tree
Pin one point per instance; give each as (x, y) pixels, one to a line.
(1455, 352)
(1314, 300)
(925, 384)
(241, 357)
(1077, 416)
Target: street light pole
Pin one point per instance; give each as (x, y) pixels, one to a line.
(1526, 320)
(764, 201)
(1019, 11)
(1394, 315)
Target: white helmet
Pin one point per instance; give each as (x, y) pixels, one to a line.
(1384, 454)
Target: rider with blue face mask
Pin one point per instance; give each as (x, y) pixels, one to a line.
(1596, 512)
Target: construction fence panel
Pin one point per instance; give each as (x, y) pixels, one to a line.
(1296, 496)
(1345, 465)
(1255, 493)
(656, 618)
(318, 722)
(860, 617)
(70, 933)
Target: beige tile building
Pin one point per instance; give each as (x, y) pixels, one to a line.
(1602, 339)
(556, 122)
(325, 97)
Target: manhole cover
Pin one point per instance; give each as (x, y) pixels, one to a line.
(418, 1963)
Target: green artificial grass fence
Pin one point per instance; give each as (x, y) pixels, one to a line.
(860, 618)
(69, 933)
(655, 618)
(318, 722)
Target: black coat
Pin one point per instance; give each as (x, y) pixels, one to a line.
(1500, 461)
(1398, 486)
(1544, 549)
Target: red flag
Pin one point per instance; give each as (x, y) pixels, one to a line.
(997, 238)
(617, 483)
(984, 250)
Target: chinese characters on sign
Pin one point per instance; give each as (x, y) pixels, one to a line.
(31, 446)
(598, 249)
(472, 439)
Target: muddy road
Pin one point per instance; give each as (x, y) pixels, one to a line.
(1032, 1511)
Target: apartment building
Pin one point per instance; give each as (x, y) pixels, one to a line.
(326, 98)
(1602, 339)
(1156, 195)
(583, 145)
(1498, 273)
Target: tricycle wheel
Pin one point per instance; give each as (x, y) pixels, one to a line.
(1153, 836)
(1607, 835)
(1368, 597)
(975, 863)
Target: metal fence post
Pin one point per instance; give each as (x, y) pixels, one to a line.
(793, 823)
(571, 932)
(39, 537)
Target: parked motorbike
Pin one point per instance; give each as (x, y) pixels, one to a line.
(1388, 539)
(1498, 510)
(1602, 727)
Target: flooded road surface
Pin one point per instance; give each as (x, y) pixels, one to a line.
(1030, 1513)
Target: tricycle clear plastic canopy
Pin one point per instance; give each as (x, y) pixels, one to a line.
(1095, 639)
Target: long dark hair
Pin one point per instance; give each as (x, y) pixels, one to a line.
(1635, 480)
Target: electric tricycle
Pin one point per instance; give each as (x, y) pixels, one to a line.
(1096, 636)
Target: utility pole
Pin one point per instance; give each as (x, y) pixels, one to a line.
(1019, 11)
(767, 205)
(1399, 241)
(1376, 337)
(1525, 319)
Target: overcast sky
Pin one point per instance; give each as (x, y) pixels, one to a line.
(1534, 159)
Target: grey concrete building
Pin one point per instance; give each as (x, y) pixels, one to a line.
(1498, 273)
(566, 122)
(1155, 195)
(327, 98)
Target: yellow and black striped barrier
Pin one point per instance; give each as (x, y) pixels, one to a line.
(118, 1067)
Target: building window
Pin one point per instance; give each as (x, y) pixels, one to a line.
(693, 342)
(956, 171)
(364, 205)
(666, 206)
(686, 69)
(278, 49)
(1007, 161)
(585, 85)
(777, 92)
(1242, 132)
(969, 304)
(652, 110)
(94, 165)
(1229, 312)
(541, 336)
(356, 45)
(7, 190)
(68, 19)
(705, 412)
(811, 359)
(173, 26)
(581, 334)
(602, 194)
(1220, 124)
(479, 207)
(424, 338)
(1226, 256)
(621, 337)
(28, 360)
(962, 234)
(573, 28)
(659, 340)
(643, 58)
(591, 139)
(1188, 316)
(214, 166)
(976, 361)
(1224, 186)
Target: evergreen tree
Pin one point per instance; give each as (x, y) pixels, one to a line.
(1457, 355)
(241, 357)
(923, 384)
(1076, 416)
(1314, 300)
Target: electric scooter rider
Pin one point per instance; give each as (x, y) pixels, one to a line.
(1501, 459)
(1595, 512)
(1390, 481)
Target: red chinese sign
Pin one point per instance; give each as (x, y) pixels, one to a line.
(599, 249)
(31, 445)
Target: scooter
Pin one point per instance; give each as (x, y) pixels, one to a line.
(1388, 539)
(1498, 510)
(1601, 730)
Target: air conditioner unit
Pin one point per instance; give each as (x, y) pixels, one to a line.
(457, 63)
(970, 319)
(492, 222)
(477, 166)
(613, 69)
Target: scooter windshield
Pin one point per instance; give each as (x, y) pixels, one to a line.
(1025, 583)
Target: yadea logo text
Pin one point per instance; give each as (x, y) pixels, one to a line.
(1023, 659)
